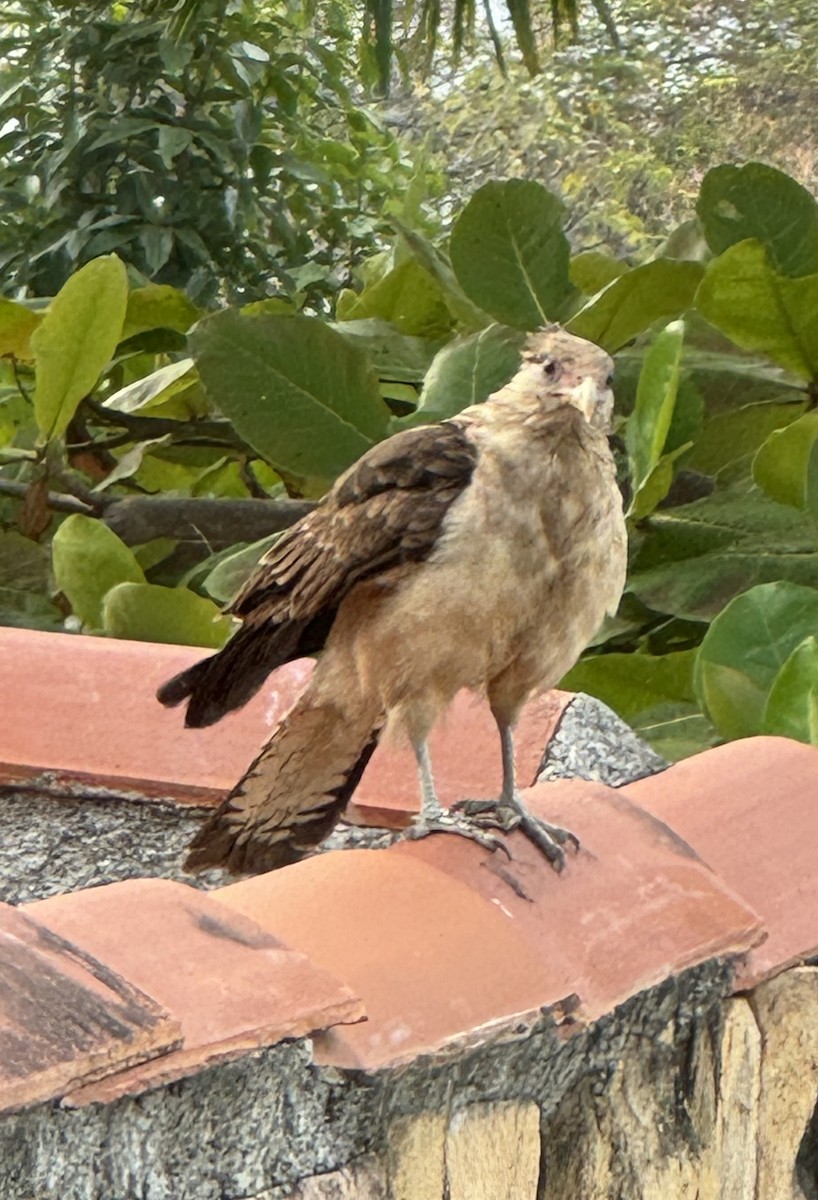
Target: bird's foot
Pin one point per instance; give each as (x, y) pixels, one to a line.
(512, 814)
(447, 821)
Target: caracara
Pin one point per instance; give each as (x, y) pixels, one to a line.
(483, 552)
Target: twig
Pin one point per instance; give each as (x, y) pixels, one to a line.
(55, 500)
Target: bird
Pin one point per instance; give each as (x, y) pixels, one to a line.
(482, 552)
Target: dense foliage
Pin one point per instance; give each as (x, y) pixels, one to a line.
(113, 390)
(625, 133)
(220, 148)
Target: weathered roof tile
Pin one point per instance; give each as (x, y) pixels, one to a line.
(232, 986)
(65, 1017)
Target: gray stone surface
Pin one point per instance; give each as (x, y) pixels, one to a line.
(593, 743)
(52, 844)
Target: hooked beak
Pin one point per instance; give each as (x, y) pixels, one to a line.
(594, 402)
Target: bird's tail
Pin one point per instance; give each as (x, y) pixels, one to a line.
(294, 793)
(221, 682)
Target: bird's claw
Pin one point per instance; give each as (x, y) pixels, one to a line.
(448, 822)
(510, 815)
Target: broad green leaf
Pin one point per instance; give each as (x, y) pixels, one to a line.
(510, 254)
(762, 311)
(158, 306)
(757, 201)
(727, 442)
(235, 567)
(781, 466)
(693, 559)
(592, 270)
(469, 369)
(154, 388)
(88, 559)
(304, 398)
(654, 694)
(746, 647)
(147, 612)
(17, 324)
(76, 341)
(408, 297)
(659, 290)
(792, 708)
(458, 303)
(648, 425)
(24, 584)
(395, 356)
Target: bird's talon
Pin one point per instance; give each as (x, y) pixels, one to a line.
(449, 823)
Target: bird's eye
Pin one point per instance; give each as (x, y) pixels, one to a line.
(609, 381)
(551, 368)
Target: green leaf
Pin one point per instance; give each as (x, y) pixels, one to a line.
(694, 558)
(408, 297)
(458, 303)
(745, 648)
(729, 439)
(656, 486)
(158, 306)
(659, 290)
(759, 310)
(592, 270)
(76, 341)
(757, 201)
(648, 425)
(147, 612)
(792, 708)
(781, 466)
(301, 395)
(17, 324)
(88, 559)
(469, 369)
(154, 388)
(24, 584)
(654, 694)
(394, 355)
(235, 567)
(510, 254)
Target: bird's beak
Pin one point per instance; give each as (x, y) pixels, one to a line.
(586, 397)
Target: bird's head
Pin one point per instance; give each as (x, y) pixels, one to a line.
(563, 369)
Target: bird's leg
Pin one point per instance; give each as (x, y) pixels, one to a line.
(510, 811)
(433, 818)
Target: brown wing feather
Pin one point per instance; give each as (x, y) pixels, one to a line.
(386, 510)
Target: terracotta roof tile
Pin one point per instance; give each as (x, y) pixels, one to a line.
(431, 958)
(99, 712)
(438, 941)
(232, 985)
(751, 810)
(65, 1017)
(632, 908)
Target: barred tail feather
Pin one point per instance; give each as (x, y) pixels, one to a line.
(293, 794)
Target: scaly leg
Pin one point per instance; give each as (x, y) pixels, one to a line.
(433, 818)
(510, 812)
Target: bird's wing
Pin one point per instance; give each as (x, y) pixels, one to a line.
(386, 510)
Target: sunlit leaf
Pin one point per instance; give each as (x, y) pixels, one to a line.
(76, 340)
(88, 559)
